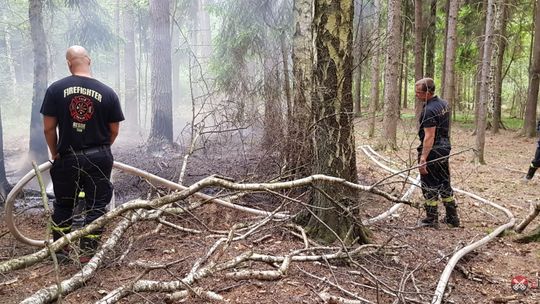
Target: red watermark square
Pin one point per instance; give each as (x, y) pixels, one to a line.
(521, 283)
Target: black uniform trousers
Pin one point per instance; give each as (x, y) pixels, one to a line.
(88, 170)
(436, 184)
(536, 160)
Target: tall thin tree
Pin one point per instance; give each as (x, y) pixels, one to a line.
(501, 49)
(418, 50)
(430, 39)
(299, 154)
(38, 146)
(391, 75)
(161, 82)
(534, 80)
(131, 105)
(449, 86)
(375, 70)
(484, 85)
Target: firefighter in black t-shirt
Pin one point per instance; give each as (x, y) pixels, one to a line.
(433, 155)
(87, 114)
(535, 163)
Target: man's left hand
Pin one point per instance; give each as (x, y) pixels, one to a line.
(423, 168)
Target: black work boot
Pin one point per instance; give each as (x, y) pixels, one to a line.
(452, 217)
(62, 255)
(432, 217)
(530, 173)
(88, 245)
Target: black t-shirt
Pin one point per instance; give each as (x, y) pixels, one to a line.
(435, 113)
(84, 108)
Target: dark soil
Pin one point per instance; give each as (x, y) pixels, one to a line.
(413, 267)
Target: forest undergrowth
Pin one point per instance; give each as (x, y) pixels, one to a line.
(198, 251)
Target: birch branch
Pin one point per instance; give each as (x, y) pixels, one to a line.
(50, 293)
(534, 210)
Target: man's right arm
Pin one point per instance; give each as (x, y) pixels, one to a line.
(49, 128)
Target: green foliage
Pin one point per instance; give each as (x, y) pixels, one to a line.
(249, 31)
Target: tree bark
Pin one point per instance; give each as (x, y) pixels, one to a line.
(501, 42)
(131, 103)
(333, 131)
(299, 149)
(4, 184)
(161, 84)
(430, 39)
(358, 40)
(286, 77)
(38, 146)
(443, 70)
(273, 121)
(375, 73)
(484, 86)
(478, 75)
(529, 127)
(418, 51)
(450, 59)
(391, 85)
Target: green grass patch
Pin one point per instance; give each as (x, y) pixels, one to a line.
(466, 120)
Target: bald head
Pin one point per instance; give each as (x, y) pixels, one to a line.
(78, 60)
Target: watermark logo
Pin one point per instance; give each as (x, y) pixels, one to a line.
(521, 284)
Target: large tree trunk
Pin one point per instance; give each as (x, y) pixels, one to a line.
(299, 149)
(38, 146)
(529, 127)
(484, 85)
(131, 107)
(501, 42)
(391, 75)
(449, 78)
(418, 51)
(333, 131)
(375, 72)
(162, 126)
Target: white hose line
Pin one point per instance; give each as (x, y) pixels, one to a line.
(10, 206)
(10, 200)
(445, 276)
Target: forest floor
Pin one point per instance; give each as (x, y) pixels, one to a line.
(412, 267)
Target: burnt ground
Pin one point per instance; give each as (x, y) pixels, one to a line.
(413, 266)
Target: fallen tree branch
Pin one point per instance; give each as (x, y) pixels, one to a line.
(534, 210)
(198, 291)
(170, 286)
(50, 293)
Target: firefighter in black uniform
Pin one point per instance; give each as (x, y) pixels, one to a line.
(87, 114)
(535, 163)
(433, 155)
